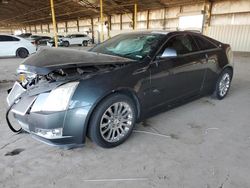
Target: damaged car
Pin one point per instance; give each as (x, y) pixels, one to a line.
(64, 96)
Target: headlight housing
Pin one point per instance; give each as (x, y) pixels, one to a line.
(59, 98)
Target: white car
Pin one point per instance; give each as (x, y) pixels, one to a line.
(15, 46)
(76, 39)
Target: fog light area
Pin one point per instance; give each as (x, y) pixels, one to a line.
(49, 133)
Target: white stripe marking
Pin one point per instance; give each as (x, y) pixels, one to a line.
(112, 180)
(155, 134)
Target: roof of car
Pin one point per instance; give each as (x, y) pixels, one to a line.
(162, 32)
(7, 34)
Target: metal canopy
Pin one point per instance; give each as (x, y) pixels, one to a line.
(29, 12)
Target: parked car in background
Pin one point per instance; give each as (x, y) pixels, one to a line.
(42, 40)
(59, 36)
(76, 39)
(103, 92)
(15, 46)
(32, 38)
(25, 35)
(51, 42)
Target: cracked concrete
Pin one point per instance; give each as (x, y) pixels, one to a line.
(209, 147)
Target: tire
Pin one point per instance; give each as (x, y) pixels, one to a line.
(85, 43)
(22, 53)
(107, 129)
(223, 84)
(66, 43)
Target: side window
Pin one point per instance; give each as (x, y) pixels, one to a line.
(1, 38)
(81, 36)
(15, 39)
(5, 38)
(183, 44)
(203, 43)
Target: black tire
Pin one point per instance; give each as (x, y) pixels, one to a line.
(94, 129)
(85, 43)
(22, 53)
(66, 43)
(218, 92)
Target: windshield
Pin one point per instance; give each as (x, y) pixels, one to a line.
(133, 46)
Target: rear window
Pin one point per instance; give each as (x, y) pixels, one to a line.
(203, 43)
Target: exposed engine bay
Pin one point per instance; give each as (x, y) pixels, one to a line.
(60, 65)
(29, 79)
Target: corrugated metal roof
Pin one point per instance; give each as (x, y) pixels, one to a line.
(28, 12)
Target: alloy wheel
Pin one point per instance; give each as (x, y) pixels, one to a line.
(116, 122)
(224, 84)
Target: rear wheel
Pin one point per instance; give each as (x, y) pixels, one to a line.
(112, 121)
(66, 44)
(22, 53)
(223, 84)
(85, 43)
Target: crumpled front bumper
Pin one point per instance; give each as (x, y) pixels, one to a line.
(72, 122)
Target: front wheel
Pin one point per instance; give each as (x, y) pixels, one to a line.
(66, 44)
(223, 84)
(112, 121)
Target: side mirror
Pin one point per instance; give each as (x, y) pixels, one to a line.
(169, 52)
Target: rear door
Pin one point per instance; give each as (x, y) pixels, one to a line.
(78, 39)
(85, 38)
(180, 76)
(81, 38)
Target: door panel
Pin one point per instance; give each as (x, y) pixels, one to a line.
(8, 48)
(213, 55)
(3, 50)
(73, 40)
(8, 45)
(179, 76)
(176, 78)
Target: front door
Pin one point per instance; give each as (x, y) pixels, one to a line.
(7, 45)
(179, 75)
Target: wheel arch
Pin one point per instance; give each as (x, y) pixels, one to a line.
(230, 67)
(130, 93)
(125, 91)
(66, 41)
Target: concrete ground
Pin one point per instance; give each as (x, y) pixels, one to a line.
(203, 144)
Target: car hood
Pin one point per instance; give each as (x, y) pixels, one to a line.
(49, 59)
